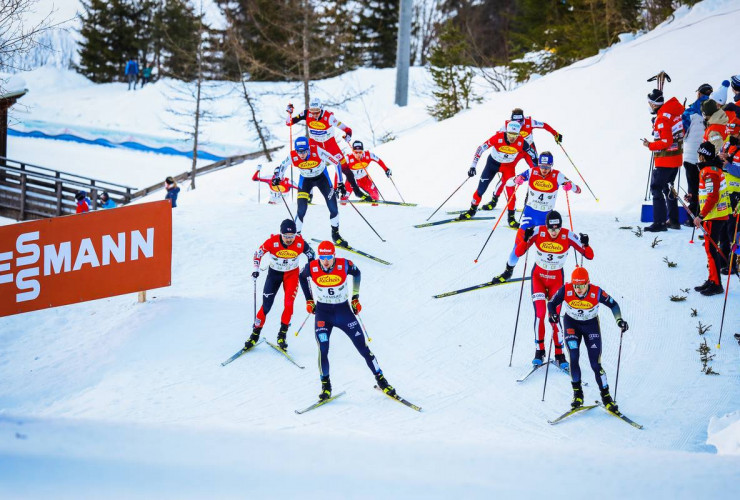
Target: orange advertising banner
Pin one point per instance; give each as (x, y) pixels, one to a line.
(65, 260)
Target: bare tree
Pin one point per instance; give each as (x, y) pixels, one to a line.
(17, 36)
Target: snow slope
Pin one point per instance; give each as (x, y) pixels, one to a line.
(116, 398)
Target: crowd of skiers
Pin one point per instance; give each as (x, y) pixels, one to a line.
(705, 138)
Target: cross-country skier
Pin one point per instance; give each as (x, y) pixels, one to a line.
(543, 184)
(581, 302)
(357, 164)
(328, 300)
(321, 127)
(528, 125)
(276, 192)
(551, 243)
(284, 250)
(312, 162)
(507, 148)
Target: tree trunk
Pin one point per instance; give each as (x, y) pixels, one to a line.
(196, 129)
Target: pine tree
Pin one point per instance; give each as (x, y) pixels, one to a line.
(453, 80)
(176, 32)
(378, 30)
(97, 62)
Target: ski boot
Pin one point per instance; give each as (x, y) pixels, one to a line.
(712, 289)
(606, 398)
(253, 339)
(469, 214)
(703, 286)
(344, 199)
(539, 357)
(513, 224)
(338, 240)
(281, 342)
(504, 277)
(656, 227)
(577, 395)
(365, 197)
(491, 204)
(325, 389)
(561, 362)
(384, 385)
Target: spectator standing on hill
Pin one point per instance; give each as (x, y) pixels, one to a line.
(172, 191)
(132, 72)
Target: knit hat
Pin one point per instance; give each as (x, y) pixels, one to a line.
(705, 89)
(707, 150)
(709, 107)
(736, 83)
(656, 97)
(169, 180)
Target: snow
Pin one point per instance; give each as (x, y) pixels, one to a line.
(129, 400)
(724, 433)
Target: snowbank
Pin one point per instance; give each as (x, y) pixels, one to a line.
(724, 434)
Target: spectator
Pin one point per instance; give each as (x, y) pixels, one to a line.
(714, 204)
(693, 127)
(730, 157)
(172, 191)
(716, 122)
(105, 201)
(83, 202)
(146, 75)
(667, 149)
(132, 72)
(733, 108)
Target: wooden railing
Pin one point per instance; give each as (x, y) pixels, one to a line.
(30, 191)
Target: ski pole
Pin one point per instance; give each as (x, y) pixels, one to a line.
(578, 171)
(707, 237)
(693, 230)
(619, 360)
(378, 190)
(650, 175)
(448, 198)
(547, 368)
(366, 221)
(302, 325)
(396, 188)
(363, 328)
(286, 205)
(570, 220)
(519, 307)
(259, 191)
(501, 215)
(254, 301)
(727, 287)
(290, 148)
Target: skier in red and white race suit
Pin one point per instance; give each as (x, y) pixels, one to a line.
(528, 125)
(276, 192)
(551, 243)
(284, 250)
(507, 148)
(581, 300)
(543, 184)
(358, 162)
(325, 284)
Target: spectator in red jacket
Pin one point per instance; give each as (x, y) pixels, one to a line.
(83, 202)
(667, 148)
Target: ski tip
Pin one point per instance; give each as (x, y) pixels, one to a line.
(475, 261)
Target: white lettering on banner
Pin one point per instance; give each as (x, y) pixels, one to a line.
(57, 258)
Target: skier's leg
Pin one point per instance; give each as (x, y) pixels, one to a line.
(323, 183)
(539, 302)
(272, 285)
(323, 326)
(304, 193)
(572, 343)
(592, 341)
(368, 185)
(348, 323)
(671, 201)
(553, 285)
(290, 287)
(490, 170)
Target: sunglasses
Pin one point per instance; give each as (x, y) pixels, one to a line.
(326, 257)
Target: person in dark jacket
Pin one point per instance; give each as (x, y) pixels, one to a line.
(172, 191)
(105, 201)
(693, 127)
(132, 72)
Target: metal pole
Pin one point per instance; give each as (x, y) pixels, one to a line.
(403, 53)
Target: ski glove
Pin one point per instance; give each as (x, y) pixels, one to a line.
(528, 233)
(555, 318)
(342, 190)
(471, 172)
(356, 307)
(276, 181)
(584, 239)
(310, 306)
(289, 109)
(256, 275)
(388, 173)
(568, 186)
(558, 138)
(623, 325)
(518, 180)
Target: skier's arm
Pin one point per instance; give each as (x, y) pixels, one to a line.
(536, 124)
(308, 251)
(523, 246)
(567, 184)
(529, 155)
(304, 279)
(581, 247)
(478, 152)
(333, 122)
(608, 301)
(328, 158)
(377, 160)
(524, 176)
(665, 136)
(354, 271)
(280, 169)
(555, 301)
(261, 251)
(299, 117)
